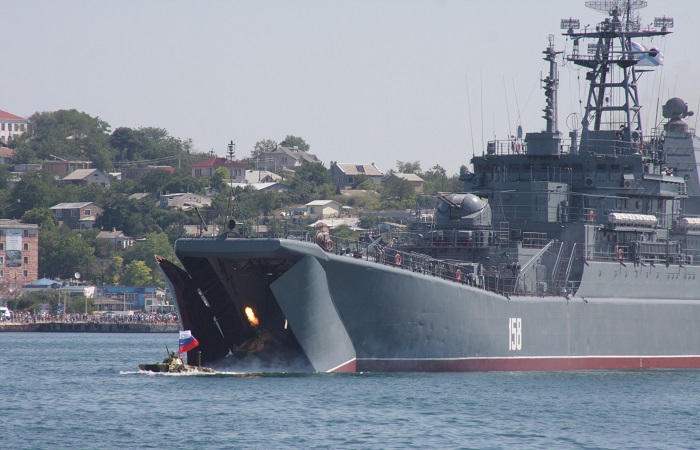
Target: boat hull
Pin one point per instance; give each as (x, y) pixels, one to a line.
(347, 314)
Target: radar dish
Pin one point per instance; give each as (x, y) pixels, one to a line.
(573, 121)
(616, 7)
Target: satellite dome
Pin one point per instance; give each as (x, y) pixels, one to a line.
(675, 108)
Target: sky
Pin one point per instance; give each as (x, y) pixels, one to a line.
(361, 81)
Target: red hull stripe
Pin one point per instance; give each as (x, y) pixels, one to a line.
(349, 366)
(524, 364)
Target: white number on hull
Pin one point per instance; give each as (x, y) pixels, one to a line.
(515, 333)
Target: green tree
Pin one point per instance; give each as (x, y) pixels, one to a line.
(408, 167)
(62, 252)
(154, 244)
(69, 134)
(136, 273)
(34, 190)
(146, 144)
(345, 234)
(217, 180)
(264, 146)
(397, 193)
(113, 272)
(40, 216)
(294, 141)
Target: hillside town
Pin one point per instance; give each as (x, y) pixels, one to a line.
(84, 209)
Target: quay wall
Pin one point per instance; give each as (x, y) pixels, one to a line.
(90, 327)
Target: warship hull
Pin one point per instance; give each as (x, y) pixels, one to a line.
(345, 314)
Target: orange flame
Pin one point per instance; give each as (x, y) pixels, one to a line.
(251, 316)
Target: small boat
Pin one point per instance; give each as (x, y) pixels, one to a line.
(174, 364)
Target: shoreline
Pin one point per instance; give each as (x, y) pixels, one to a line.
(90, 327)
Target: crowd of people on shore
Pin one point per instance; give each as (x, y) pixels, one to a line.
(20, 317)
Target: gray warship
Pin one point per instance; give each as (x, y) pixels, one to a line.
(562, 253)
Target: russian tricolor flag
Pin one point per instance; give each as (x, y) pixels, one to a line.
(187, 341)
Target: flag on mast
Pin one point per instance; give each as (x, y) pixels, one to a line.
(187, 341)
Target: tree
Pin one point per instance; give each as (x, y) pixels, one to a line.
(294, 141)
(264, 146)
(40, 216)
(398, 193)
(345, 234)
(137, 273)
(34, 190)
(113, 272)
(364, 183)
(146, 144)
(154, 244)
(408, 167)
(71, 135)
(62, 252)
(312, 180)
(216, 181)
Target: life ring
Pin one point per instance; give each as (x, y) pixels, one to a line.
(591, 216)
(329, 245)
(398, 260)
(458, 274)
(619, 253)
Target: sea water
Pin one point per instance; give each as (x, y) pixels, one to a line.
(84, 391)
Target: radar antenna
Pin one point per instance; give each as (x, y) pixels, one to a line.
(612, 109)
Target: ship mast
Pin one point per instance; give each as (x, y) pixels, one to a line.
(550, 85)
(613, 101)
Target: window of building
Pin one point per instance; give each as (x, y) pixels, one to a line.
(2, 246)
(26, 259)
(2, 260)
(26, 233)
(88, 212)
(21, 127)
(2, 232)
(25, 273)
(74, 213)
(2, 127)
(26, 247)
(2, 273)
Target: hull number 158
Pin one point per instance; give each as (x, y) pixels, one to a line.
(515, 332)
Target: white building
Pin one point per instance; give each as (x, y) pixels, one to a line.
(11, 126)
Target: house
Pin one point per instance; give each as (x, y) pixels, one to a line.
(184, 201)
(136, 173)
(323, 208)
(116, 238)
(7, 155)
(19, 254)
(416, 181)
(212, 230)
(345, 174)
(260, 176)
(62, 167)
(42, 284)
(272, 186)
(284, 158)
(86, 177)
(333, 223)
(236, 170)
(145, 298)
(77, 215)
(11, 126)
